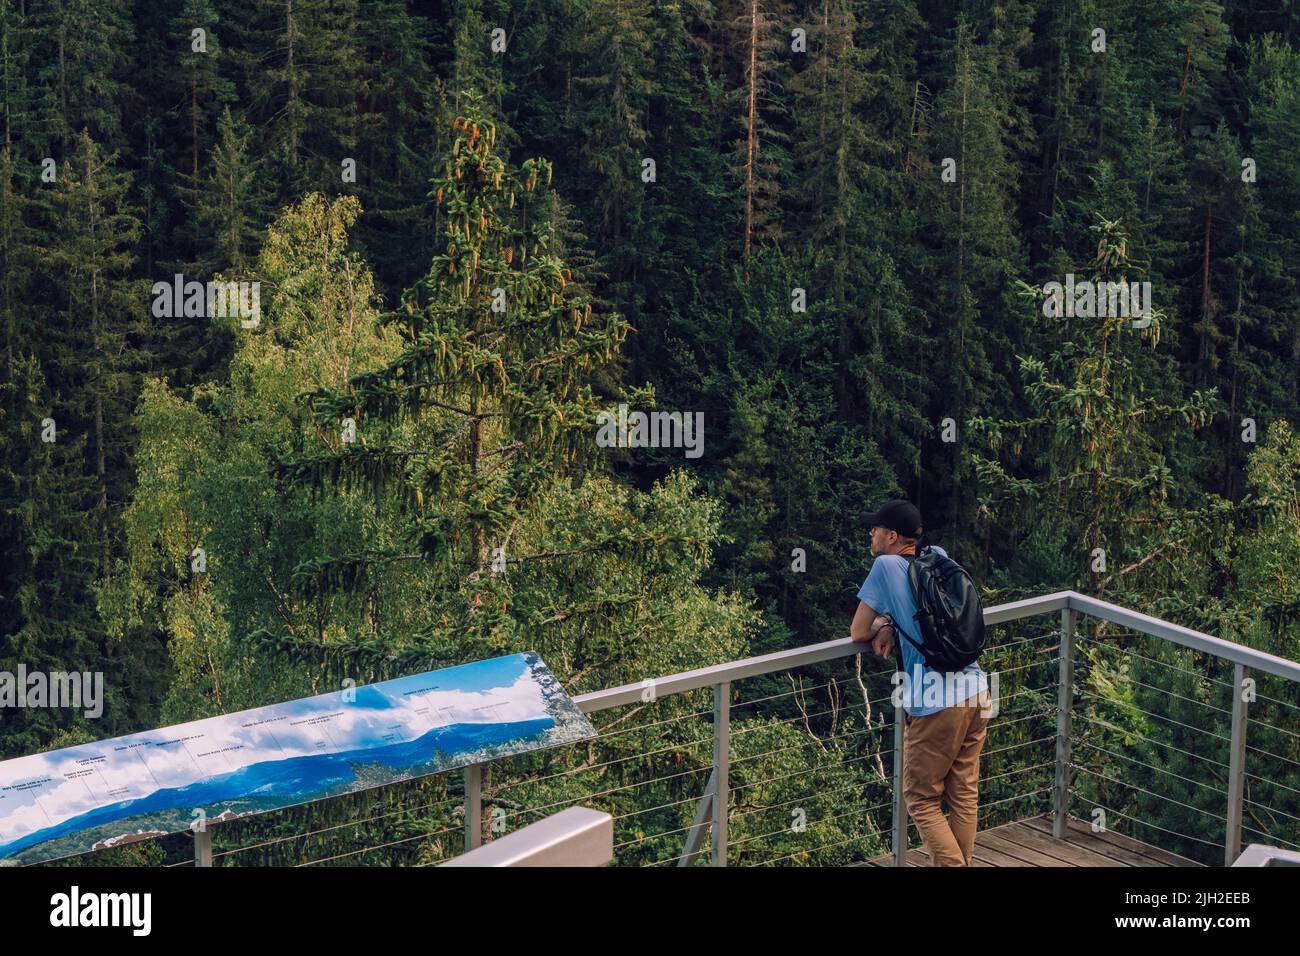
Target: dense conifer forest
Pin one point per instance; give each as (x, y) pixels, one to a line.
(1032, 264)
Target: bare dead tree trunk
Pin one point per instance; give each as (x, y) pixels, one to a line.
(959, 390)
(293, 84)
(751, 131)
(1205, 290)
(1182, 90)
(194, 127)
(100, 459)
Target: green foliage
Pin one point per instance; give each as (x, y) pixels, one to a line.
(777, 169)
(1089, 461)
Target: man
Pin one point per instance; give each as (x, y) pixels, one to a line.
(945, 715)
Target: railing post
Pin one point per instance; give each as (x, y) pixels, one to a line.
(473, 806)
(900, 810)
(703, 817)
(203, 847)
(1236, 767)
(721, 761)
(1064, 702)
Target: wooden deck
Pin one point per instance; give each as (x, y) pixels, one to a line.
(1030, 843)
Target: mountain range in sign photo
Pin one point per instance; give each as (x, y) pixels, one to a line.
(149, 784)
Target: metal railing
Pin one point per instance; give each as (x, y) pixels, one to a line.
(725, 780)
(711, 818)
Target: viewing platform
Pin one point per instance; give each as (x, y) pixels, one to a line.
(1116, 740)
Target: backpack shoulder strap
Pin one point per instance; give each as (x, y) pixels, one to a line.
(916, 599)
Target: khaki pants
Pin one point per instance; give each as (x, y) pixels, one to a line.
(941, 757)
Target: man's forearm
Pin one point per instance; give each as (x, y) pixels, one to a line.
(867, 624)
(860, 629)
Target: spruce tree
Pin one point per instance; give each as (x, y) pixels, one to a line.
(1086, 468)
(19, 255)
(50, 551)
(199, 79)
(96, 329)
(499, 347)
(300, 62)
(972, 240)
(81, 59)
(230, 204)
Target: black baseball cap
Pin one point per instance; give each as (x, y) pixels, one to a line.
(900, 516)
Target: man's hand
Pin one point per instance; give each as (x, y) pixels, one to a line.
(882, 636)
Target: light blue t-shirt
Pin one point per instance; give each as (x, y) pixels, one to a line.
(925, 690)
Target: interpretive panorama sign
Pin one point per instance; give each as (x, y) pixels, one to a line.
(173, 779)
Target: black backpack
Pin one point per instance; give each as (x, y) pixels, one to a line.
(949, 616)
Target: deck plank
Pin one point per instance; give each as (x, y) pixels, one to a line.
(1010, 846)
(1076, 855)
(984, 850)
(1029, 842)
(1154, 854)
(1162, 857)
(1126, 854)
